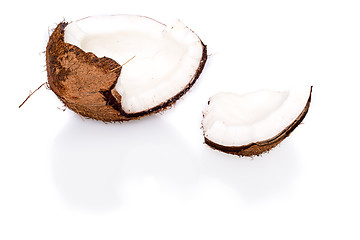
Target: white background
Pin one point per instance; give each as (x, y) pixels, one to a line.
(62, 177)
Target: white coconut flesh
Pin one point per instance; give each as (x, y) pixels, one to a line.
(233, 120)
(164, 59)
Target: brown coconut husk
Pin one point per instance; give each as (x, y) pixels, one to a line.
(86, 83)
(258, 148)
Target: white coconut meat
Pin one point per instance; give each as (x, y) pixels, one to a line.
(164, 59)
(237, 120)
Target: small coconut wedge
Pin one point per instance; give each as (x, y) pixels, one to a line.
(122, 67)
(254, 123)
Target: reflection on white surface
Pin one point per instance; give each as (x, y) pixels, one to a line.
(94, 163)
(254, 179)
(100, 166)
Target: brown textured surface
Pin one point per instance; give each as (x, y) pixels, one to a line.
(257, 148)
(85, 83)
(79, 79)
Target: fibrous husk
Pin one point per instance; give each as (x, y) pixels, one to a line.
(86, 83)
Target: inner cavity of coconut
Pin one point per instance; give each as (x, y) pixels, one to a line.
(163, 59)
(238, 120)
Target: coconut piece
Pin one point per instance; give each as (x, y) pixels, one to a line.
(84, 61)
(253, 123)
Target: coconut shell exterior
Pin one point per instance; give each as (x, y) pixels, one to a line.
(258, 148)
(86, 83)
(81, 80)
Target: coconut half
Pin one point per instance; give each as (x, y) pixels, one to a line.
(253, 123)
(85, 65)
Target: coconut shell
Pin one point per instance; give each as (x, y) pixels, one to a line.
(86, 83)
(258, 148)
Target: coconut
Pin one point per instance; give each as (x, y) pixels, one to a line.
(122, 67)
(253, 123)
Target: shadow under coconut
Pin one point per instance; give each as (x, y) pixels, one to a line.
(254, 179)
(95, 163)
